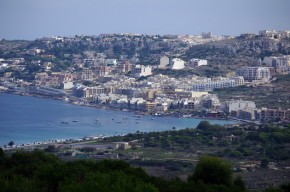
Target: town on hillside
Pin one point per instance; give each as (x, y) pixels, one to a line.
(245, 78)
(154, 74)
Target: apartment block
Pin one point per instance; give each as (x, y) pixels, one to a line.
(177, 64)
(87, 74)
(265, 114)
(211, 85)
(254, 73)
(141, 70)
(164, 62)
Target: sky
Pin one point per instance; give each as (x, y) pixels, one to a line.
(31, 19)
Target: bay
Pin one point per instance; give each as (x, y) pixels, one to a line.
(25, 119)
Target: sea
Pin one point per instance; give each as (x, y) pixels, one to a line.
(25, 119)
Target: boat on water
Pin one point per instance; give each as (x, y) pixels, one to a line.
(64, 122)
(75, 121)
(97, 121)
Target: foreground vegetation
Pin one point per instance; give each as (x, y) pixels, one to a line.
(37, 171)
(177, 151)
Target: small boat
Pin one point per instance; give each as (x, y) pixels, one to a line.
(75, 121)
(97, 121)
(64, 122)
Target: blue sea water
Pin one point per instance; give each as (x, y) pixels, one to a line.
(25, 119)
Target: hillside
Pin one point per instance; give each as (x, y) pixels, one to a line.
(273, 95)
(240, 50)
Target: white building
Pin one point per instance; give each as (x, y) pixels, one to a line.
(67, 85)
(141, 70)
(92, 91)
(111, 61)
(211, 85)
(274, 34)
(198, 94)
(209, 101)
(177, 64)
(197, 62)
(277, 62)
(236, 105)
(254, 73)
(241, 109)
(164, 62)
(239, 80)
(267, 33)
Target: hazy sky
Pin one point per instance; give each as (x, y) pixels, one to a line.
(30, 19)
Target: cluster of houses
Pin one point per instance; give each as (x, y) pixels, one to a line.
(274, 34)
(123, 83)
(117, 85)
(157, 94)
(247, 110)
(281, 64)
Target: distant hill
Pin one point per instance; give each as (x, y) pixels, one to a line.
(240, 50)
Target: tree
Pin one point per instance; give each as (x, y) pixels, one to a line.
(264, 163)
(203, 125)
(1, 153)
(50, 149)
(11, 143)
(213, 170)
(238, 181)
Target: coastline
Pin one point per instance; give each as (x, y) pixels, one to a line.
(53, 141)
(79, 102)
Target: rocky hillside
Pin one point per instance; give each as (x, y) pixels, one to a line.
(241, 50)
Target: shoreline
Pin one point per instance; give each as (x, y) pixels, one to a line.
(74, 101)
(51, 142)
(64, 139)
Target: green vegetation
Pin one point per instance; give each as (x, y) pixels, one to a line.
(203, 51)
(282, 188)
(192, 152)
(37, 171)
(11, 143)
(263, 142)
(208, 168)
